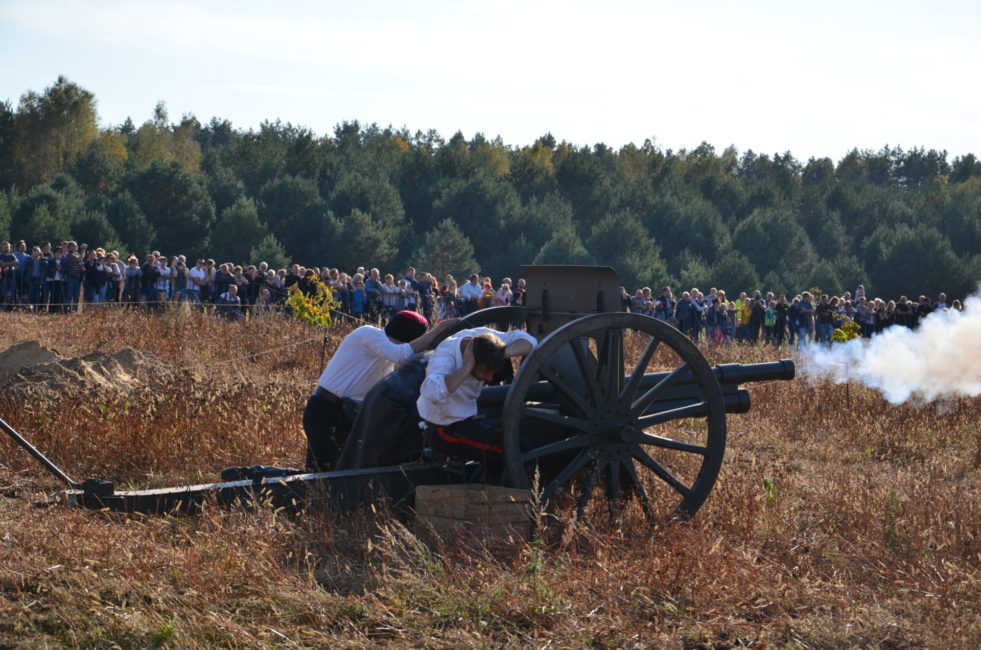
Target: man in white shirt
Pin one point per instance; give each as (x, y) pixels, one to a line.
(471, 293)
(457, 371)
(363, 358)
(196, 278)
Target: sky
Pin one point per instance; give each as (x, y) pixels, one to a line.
(816, 79)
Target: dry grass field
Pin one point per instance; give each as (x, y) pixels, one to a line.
(838, 521)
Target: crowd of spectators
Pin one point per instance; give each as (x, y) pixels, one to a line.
(775, 320)
(57, 278)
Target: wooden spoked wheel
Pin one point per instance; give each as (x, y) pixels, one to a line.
(621, 401)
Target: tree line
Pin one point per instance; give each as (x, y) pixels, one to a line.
(898, 221)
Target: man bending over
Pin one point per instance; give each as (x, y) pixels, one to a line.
(459, 368)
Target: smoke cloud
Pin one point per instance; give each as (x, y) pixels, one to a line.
(940, 360)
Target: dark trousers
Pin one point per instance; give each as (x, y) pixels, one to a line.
(327, 428)
(476, 439)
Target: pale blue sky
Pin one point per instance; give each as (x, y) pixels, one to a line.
(816, 80)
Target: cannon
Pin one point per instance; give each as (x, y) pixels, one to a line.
(607, 401)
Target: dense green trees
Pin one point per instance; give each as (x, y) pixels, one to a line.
(897, 221)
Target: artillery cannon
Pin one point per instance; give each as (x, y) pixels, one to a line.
(606, 398)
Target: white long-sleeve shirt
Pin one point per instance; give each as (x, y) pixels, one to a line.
(471, 291)
(363, 358)
(437, 404)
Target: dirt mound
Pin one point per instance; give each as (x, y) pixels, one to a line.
(32, 371)
(25, 355)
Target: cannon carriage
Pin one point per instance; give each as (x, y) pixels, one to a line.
(608, 405)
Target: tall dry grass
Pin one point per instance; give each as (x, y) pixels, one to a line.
(838, 521)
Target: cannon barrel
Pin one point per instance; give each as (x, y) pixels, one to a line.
(727, 374)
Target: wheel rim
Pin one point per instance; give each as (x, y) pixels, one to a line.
(605, 428)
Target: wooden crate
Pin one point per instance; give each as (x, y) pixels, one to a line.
(490, 513)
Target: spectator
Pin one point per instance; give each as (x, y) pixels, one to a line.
(470, 294)
(502, 297)
(228, 304)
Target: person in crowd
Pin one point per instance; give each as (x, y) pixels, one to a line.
(782, 309)
(228, 304)
(23, 258)
(427, 294)
(639, 304)
(223, 279)
(411, 289)
(373, 289)
(685, 314)
(744, 308)
(664, 306)
(904, 312)
(54, 282)
(824, 320)
(149, 277)
(698, 317)
(520, 293)
(133, 280)
(9, 265)
(449, 301)
(359, 301)
(923, 308)
(715, 317)
(502, 297)
(730, 323)
(94, 276)
(392, 298)
(486, 294)
(364, 357)
(447, 403)
(71, 268)
(197, 277)
(179, 278)
(805, 320)
(757, 318)
(37, 268)
(769, 321)
(471, 293)
(162, 288)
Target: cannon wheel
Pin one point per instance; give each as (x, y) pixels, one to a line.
(498, 317)
(605, 417)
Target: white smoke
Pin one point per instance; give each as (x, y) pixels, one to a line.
(939, 360)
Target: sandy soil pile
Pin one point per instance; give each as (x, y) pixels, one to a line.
(32, 371)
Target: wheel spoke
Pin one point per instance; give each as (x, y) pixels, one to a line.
(611, 362)
(582, 459)
(567, 444)
(613, 484)
(639, 490)
(634, 383)
(648, 398)
(588, 487)
(660, 471)
(586, 371)
(668, 443)
(690, 411)
(555, 418)
(574, 398)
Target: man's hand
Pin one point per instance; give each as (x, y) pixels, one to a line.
(456, 378)
(466, 350)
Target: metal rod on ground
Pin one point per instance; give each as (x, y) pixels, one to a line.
(32, 450)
